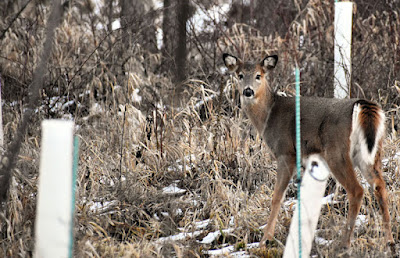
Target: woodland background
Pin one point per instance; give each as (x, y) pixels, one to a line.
(168, 165)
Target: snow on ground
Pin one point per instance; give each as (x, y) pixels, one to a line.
(103, 207)
(180, 236)
(212, 236)
(202, 224)
(229, 250)
(173, 189)
(322, 241)
(361, 220)
(396, 156)
(329, 199)
(222, 251)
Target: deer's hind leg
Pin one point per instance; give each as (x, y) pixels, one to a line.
(373, 174)
(342, 168)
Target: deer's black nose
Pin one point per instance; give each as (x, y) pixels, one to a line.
(248, 92)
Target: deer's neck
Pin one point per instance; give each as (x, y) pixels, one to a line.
(259, 109)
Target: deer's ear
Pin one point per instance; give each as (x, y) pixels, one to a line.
(269, 62)
(231, 62)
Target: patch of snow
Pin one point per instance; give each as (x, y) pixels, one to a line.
(364, 183)
(195, 203)
(173, 189)
(212, 236)
(87, 92)
(68, 103)
(100, 206)
(253, 245)
(115, 25)
(232, 221)
(180, 236)
(106, 181)
(322, 241)
(160, 106)
(178, 211)
(202, 224)
(281, 93)
(136, 97)
(385, 162)
(179, 168)
(206, 99)
(223, 70)
(361, 220)
(290, 204)
(229, 250)
(220, 252)
(188, 160)
(328, 199)
(240, 254)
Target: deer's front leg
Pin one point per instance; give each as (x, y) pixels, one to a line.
(284, 173)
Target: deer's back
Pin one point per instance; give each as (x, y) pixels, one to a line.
(325, 125)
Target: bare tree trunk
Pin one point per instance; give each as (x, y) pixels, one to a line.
(138, 24)
(110, 15)
(275, 16)
(167, 28)
(181, 49)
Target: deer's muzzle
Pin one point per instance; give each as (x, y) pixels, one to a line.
(248, 92)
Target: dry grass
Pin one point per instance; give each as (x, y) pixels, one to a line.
(131, 150)
(223, 166)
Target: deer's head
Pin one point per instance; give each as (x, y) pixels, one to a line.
(252, 79)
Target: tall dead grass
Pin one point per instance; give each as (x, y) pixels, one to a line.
(134, 144)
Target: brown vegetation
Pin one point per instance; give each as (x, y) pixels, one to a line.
(134, 142)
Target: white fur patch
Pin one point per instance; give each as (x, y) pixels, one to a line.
(359, 152)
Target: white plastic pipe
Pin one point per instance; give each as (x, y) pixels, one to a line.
(312, 190)
(54, 208)
(343, 30)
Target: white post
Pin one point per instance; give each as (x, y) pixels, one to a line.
(54, 208)
(312, 189)
(343, 30)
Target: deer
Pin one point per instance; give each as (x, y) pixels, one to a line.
(347, 133)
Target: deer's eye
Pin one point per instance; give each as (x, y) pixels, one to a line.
(258, 77)
(240, 76)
